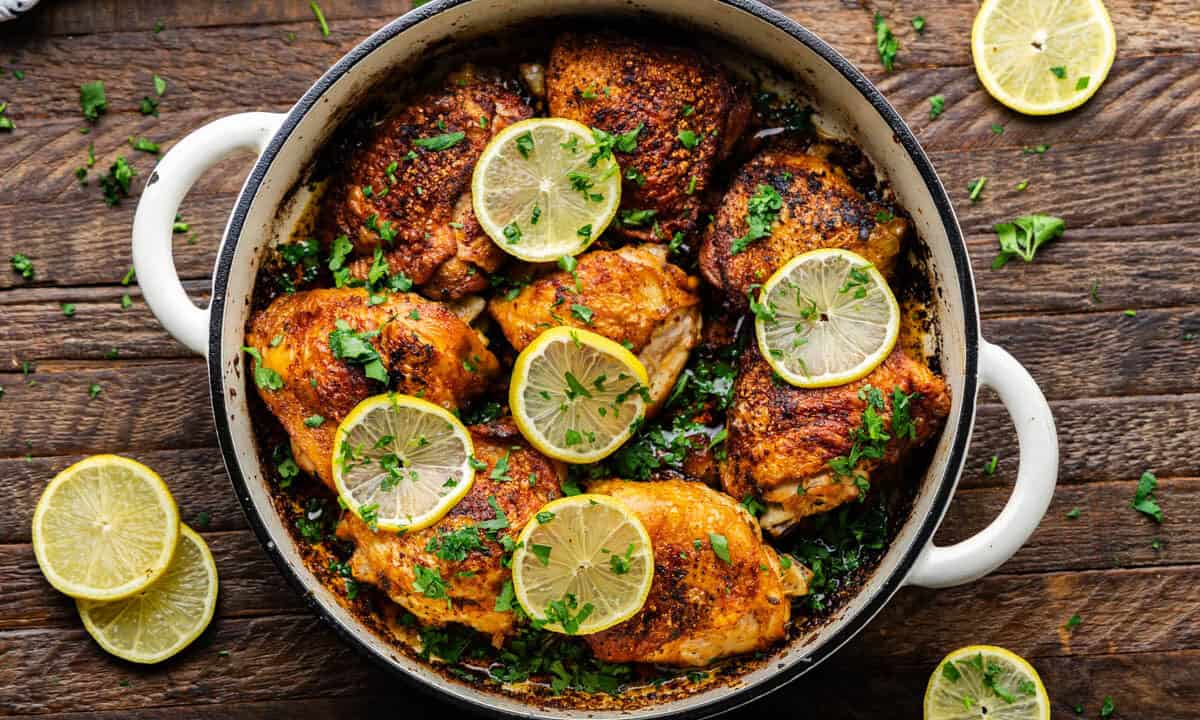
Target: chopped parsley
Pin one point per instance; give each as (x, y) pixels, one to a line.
(937, 106)
(524, 143)
(1108, 708)
(314, 421)
(160, 86)
(636, 218)
(512, 233)
(720, 546)
(320, 18)
(620, 564)
(1143, 498)
(23, 266)
(440, 142)
(975, 188)
(559, 611)
(885, 43)
(68, 309)
(997, 129)
(1073, 513)
(918, 24)
(582, 312)
(1083, 82)
(688, 139)
(429, 582)
(989, 468)
(606, 143)
(541, 552)
(355, 347)
(1022, 237)
(144, 145)
(1036, 149)
(762, 211)
(1073, 622)
(92, 100)
(264, 377)
(115, 185)
(94, 391)
(1059, 72)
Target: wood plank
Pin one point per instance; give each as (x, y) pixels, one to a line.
(58, 670)
(1061, 277)
(1142, 686)
(249, 585)
(196, 477)
(56, 417)
(1142, 28)
(1099, 439)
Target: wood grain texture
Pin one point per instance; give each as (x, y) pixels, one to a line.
(1125, 391)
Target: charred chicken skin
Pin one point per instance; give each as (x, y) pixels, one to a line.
(684, 114)
(631, 295)
(782, 438)
(462, 550)
(406, 190)
(709, 599)
(422, 345)
(819, 208)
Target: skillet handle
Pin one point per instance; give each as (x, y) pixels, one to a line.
(1037, 474)
(171, 180)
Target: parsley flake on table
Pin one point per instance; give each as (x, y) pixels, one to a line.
(937, 106)
(997, 129)
(1143, 498)
(1073, 622)
(1022, 237)
(115, 185)
(160, 86)
(1073, 513)
(149, 106)
(975, 188)
(324, 26)
(93, 391)
(144, 145)
(1036, 150)
(1108, 708)
(68, 309)
(6, 122)
(885, 42)
(23, 266)
(918, 24)
(92, 100)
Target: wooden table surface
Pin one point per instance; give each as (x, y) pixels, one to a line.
(1125, 389)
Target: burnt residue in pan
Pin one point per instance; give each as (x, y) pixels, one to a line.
(843, 547)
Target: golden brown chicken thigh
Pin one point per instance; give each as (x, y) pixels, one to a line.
(406, 190)
(631, 295)
(818, 208)
(424, 347)
(685, 112)
(463, 555)
(782, 438)
(718, 589)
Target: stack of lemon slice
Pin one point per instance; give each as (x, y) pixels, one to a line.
(106, 532)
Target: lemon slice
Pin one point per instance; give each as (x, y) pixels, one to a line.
(400, 462)
(158, 622)
(826, 318)
(546, 187)
(584, 564)
(1043, 58)
(105, 528)
(576, 396)
(985, 682)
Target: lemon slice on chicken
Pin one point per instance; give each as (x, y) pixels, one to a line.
(577, 396)
(583, 564)
(1043, 58)
(545, 188)
(158, 622)
(826, 318)
(105, 528)
(400, 462)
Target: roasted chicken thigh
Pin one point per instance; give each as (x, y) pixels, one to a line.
(818, 208)
(425, 349)
(718, 589)
(680, 108)
(631, 295)
(406, 189)
(453, 570)
(782, 438)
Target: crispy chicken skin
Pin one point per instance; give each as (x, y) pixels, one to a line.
(700, 608)
(781, 438)
(388, 560)
(422, 345)
(617, 83)
(821, 209)
(635, 296)
(426, 197)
